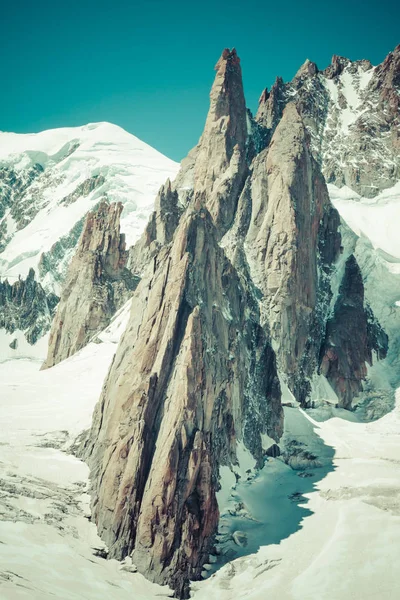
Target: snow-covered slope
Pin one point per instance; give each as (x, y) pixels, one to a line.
(376, 219)
(345, 530)
(48, 547)
(332, 529)
(49, 181)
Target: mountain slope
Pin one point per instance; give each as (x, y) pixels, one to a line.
(49, 181)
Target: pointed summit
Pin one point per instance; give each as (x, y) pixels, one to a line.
(307, 69)
(225, 125)
(337, 66)
(271, 105)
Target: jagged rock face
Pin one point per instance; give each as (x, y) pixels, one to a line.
(204, 371)
(352, 112)
(55, 262)
(236, 260)
(215, 170)
(159, 230)
(204, 377)
(225, 130)
(25, 306)
(97, 284)
(351, 335)
(291, 242)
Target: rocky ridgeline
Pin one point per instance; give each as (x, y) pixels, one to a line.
(351, 110)
(236, 268)
(97, 284)
(26, 307)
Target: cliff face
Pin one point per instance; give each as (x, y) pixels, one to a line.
(96, 285)
(25, 306)
(204, 376)
(236, 269)
(351, 335)
(291, 243)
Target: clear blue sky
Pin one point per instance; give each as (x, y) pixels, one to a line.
(148, 66)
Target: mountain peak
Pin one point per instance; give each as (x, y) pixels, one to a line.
(226, 127)
(229, 57)
(307, 69)
(337, 66)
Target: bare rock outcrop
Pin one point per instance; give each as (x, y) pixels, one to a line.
(159, 230)
(291, 241)
(96, 285)
(25, 306)
(352, 333)
(193, 374)
(351, 110)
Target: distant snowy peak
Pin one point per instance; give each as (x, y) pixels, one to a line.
(50, 180)
(351, 110)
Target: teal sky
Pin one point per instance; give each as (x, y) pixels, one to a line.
(148, 66)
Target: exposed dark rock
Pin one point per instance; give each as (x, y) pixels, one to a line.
(351, 335)
(14, 344)
(274, 451)
(96, 285)
(54, 261)
(25, 306)
(84, 189)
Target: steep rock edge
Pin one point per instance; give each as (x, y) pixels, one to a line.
(25, 306)
(291, 241)
(204, 377)
(201, 359)
(215, 169)
(352, 334)
(96, 285)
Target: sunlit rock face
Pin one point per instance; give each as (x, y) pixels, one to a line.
(96, 286)
(236, 268)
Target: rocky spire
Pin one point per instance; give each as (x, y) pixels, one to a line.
(225, 127)
(204, 371)
(271, 105)
(204, 377)
(96, 285)
(237, 253)
(338, 64)
(307, 69)
(159, 230)
(221, 165)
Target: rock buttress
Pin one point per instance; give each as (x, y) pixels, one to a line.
(96, 285)
(194, 373)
